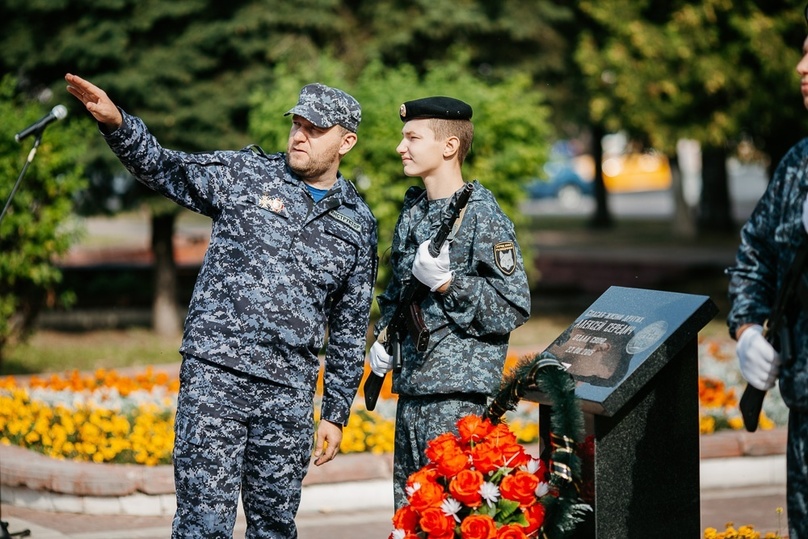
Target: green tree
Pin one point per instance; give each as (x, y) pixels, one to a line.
(187, 68)
(511, 141)
(36, 228)
(711, 70)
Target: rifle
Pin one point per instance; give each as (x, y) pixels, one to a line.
(407, 318)
(776, 330)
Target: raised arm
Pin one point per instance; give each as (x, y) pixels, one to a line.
(96, 102)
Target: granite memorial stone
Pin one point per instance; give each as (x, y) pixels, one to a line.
(634, 356)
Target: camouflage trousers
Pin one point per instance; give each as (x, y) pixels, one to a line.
(797, 474)
(237, 434)
(419, 420)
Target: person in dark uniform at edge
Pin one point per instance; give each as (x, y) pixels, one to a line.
(478, 287)
(770, 239)
(292, 254)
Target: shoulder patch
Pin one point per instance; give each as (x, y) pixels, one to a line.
(505, 257)
(344, 219)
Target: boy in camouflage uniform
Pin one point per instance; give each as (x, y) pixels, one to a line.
(769, 242)
(479, 290)
(292, 253)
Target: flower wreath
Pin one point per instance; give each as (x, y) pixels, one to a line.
(482, 484)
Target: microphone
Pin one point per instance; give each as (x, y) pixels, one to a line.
(57, 113)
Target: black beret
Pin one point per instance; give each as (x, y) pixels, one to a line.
(443, 108)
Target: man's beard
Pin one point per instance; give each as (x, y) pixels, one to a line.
(312, 167)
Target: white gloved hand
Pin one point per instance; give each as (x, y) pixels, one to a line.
(805, 213)
(760, 362)
(433, 272)
(380, 361)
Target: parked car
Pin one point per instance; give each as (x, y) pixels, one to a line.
(569, 177)
(564, 183)
(633, 172)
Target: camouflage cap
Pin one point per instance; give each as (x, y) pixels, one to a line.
(325, 107)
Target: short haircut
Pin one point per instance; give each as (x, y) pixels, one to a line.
(462, 129)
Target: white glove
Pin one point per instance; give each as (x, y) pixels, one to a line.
(760, 363)
(380, 361)
(805, 214)
(433, 272)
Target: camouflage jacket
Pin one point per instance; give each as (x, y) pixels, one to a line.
(280, 269)
(769, 241)
(471, 323)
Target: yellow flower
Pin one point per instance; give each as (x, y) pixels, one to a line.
(765, 422)
(706, 424)
(735, 423)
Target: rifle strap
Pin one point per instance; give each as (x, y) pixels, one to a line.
(457, 223)
(382, 337)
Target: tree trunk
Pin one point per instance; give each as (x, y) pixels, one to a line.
(602, 218)
(683, 223)
(165, 310)
(715, 211)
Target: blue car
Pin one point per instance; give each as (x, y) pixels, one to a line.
(563, 183)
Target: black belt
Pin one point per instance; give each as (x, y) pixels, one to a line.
(474, 398)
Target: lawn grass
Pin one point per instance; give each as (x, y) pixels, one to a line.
(58, 351)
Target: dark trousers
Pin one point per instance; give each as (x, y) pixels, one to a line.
(237, 434)
(419, 420)
(797, 475)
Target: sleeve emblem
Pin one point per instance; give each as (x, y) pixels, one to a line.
(505, 257)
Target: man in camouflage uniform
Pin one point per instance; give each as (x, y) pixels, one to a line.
(292, 253)
(769, 242)
(479, 290)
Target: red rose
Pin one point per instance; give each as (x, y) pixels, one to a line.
(511, 531)
(465, 487)
(513, 453)
(405, 519)
(447, 455)
(502, 434)
(535, 518)
(473, 428)
(519, 487)
(427, 474)
(486, 457)
(444, 442)
(478, 527)
(429, 494)
(436, 524)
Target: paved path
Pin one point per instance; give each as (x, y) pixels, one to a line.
(754, 505)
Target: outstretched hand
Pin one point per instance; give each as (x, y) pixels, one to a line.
(96, 102)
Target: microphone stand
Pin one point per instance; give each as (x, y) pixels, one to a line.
(31, 155)
(4, 533)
